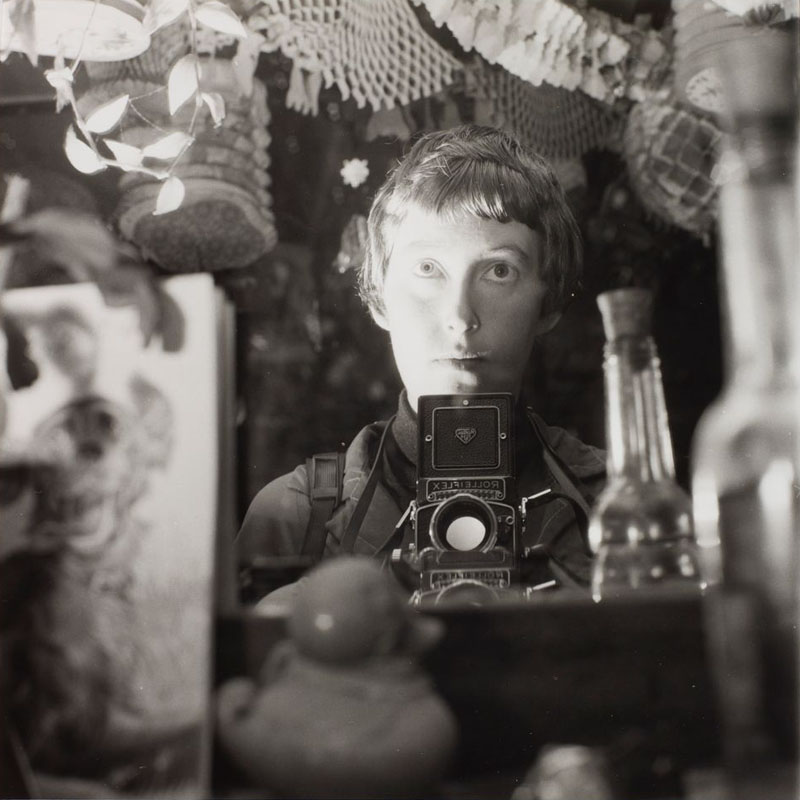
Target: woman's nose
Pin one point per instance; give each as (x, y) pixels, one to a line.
(461, 312)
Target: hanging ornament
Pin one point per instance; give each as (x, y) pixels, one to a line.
(670, 153)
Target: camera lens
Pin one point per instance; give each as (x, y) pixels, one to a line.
(465, 533)
(464, 523)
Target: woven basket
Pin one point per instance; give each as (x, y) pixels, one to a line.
(219, 226)
(670, 153)
(150, 97)
(225, 219)
(226, 175)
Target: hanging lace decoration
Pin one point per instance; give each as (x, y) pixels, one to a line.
(555, 122)
(374, 51)
(549, 41)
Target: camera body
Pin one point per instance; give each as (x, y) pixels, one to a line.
(466, 518)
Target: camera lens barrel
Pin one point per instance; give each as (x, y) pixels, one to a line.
(464, 522)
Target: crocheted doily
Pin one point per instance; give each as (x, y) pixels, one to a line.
(374, 51)
(555, 122)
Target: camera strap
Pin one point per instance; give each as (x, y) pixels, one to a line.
(325, 476)
(362, 504)
(568, 484)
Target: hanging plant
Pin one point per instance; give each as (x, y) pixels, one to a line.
(89, 144)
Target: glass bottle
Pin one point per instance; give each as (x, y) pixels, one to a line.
(745, 480)
(641, 525)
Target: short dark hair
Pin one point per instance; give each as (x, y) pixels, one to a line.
(486, 172)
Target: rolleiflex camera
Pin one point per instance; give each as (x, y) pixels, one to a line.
(467, 518)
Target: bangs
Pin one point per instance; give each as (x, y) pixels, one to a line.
(483, 189)
(480, 172)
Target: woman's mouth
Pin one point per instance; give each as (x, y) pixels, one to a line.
(461, 357)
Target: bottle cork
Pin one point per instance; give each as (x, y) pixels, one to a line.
(626, 312)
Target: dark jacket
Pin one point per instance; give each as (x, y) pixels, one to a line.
(276, 522)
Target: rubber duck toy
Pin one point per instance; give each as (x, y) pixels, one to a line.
(343, 708)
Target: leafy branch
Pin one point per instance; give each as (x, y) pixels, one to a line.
(88, 139)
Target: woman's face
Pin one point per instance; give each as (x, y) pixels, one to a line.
(463, 300)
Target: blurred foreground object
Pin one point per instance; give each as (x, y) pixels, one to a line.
(343, 709)
(566, 772)
(745, 457)
(641, 525)
(109, 509)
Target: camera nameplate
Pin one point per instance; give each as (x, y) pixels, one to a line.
(494, 578)
(437, 489)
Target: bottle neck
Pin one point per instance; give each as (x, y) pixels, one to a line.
(759, 248)
(638, 441)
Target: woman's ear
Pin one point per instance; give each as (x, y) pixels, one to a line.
(547, 322)
(379, 317)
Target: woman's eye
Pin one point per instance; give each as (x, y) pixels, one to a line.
(500, 271)
(426, 268)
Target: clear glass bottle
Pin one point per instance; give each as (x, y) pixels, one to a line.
(641, 525)
(745, 480)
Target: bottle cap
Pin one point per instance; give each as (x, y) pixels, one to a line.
(626, 312)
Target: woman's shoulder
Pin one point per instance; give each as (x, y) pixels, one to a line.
(585, 460)
(278, 515)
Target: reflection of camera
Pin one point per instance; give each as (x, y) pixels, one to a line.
(466, 516)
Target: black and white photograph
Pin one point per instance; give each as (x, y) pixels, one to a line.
(399, 399)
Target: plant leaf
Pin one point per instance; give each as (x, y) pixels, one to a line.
(182, 82)
(58, 77)
(78, 241)
(128, 156)
(168, 146)
(107, 116)
(61, 80)
(218, 16)
(80, 155)
(216, 105)
(160, 13)
(170, 196)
